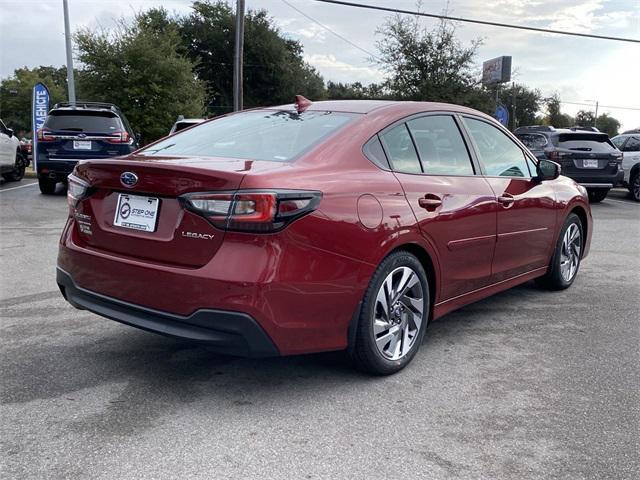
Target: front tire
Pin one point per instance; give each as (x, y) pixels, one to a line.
(634, 186)
(596, 195)
(18, 172)
(567, 255)
(47, 186)
(394, 316)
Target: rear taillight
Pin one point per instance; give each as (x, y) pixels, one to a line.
(44, 135)
(555, 155)
(119, 137)
(252, 210)
(76, 191)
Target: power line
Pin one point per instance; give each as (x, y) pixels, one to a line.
(332, 31)
(480, 22)
(601, 106)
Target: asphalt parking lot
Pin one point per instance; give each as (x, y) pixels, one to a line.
(527, 384)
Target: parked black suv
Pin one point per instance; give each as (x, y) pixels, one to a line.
(79, 131)
(586, 155)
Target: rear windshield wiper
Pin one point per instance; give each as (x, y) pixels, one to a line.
(160, 149)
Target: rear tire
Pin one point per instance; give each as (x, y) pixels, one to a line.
(634, 186)
(393, 317)
(47, 186)
(596, 195)
(566, 258)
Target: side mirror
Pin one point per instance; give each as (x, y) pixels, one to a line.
(547, 170)
(138, 137)
(10, 132)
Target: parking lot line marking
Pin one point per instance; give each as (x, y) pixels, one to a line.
(621, 201)
(21, 186)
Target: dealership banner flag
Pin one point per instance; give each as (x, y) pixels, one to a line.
(39, 109)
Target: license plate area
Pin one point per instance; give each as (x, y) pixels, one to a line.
(136, 212)
(589, 163)
(82, 144)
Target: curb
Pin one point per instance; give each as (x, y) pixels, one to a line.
(30, 173)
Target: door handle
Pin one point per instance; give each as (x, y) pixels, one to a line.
(506, 200)
(430, 202)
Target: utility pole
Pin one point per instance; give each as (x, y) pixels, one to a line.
(237, 60)
(595, 119)
(513, 101)
(71, 85)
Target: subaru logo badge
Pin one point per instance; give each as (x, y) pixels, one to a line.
(128, 179)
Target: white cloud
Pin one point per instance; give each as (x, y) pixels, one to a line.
(337, 70)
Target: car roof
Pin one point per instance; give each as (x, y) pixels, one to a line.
(370, 106)
(191, 120)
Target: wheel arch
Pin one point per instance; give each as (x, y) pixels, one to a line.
(582, 215)
(429, 266)
(427, 263)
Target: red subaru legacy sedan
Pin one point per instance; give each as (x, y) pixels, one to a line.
(318, 226)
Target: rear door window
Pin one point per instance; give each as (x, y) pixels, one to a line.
(499, 155)
(78, 121)
(440, 146)
(619, 142)
(533, 141)
(633, 145)
(586, 142)
(400, 150)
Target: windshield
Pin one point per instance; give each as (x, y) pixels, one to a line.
(258, 135)
(78, 121)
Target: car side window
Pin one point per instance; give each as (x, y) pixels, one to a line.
(374, 152)
(400, 150)
(633, 145)
(499, 155)
(618, 142)
(440, 145)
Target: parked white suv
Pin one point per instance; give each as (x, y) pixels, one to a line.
(629, 145)
(12, 162)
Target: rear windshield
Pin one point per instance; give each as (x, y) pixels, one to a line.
(533, 141)
(259, 135)
(78, 121)
(585, 142)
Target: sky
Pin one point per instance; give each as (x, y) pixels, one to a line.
(580, 70)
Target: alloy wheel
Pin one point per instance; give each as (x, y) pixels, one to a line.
(570, 253)
(636, 187)
(398, 313)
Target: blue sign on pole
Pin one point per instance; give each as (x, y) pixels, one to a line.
(502, 115)
(39, 110)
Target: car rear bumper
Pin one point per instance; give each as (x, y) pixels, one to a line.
(230, 333)
(303, 298)
(598, 181)
(57, 170)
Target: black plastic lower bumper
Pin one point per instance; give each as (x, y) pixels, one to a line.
(55, 170)
(231, 333)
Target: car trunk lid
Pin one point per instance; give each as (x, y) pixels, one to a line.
(179, 237)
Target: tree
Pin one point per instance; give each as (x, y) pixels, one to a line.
(431, 65)
(138, 67)
(274, 70)
(527, 103)
(355, 91)
(608, 124)
(554, 116)
(585, 118)
(15, 94)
